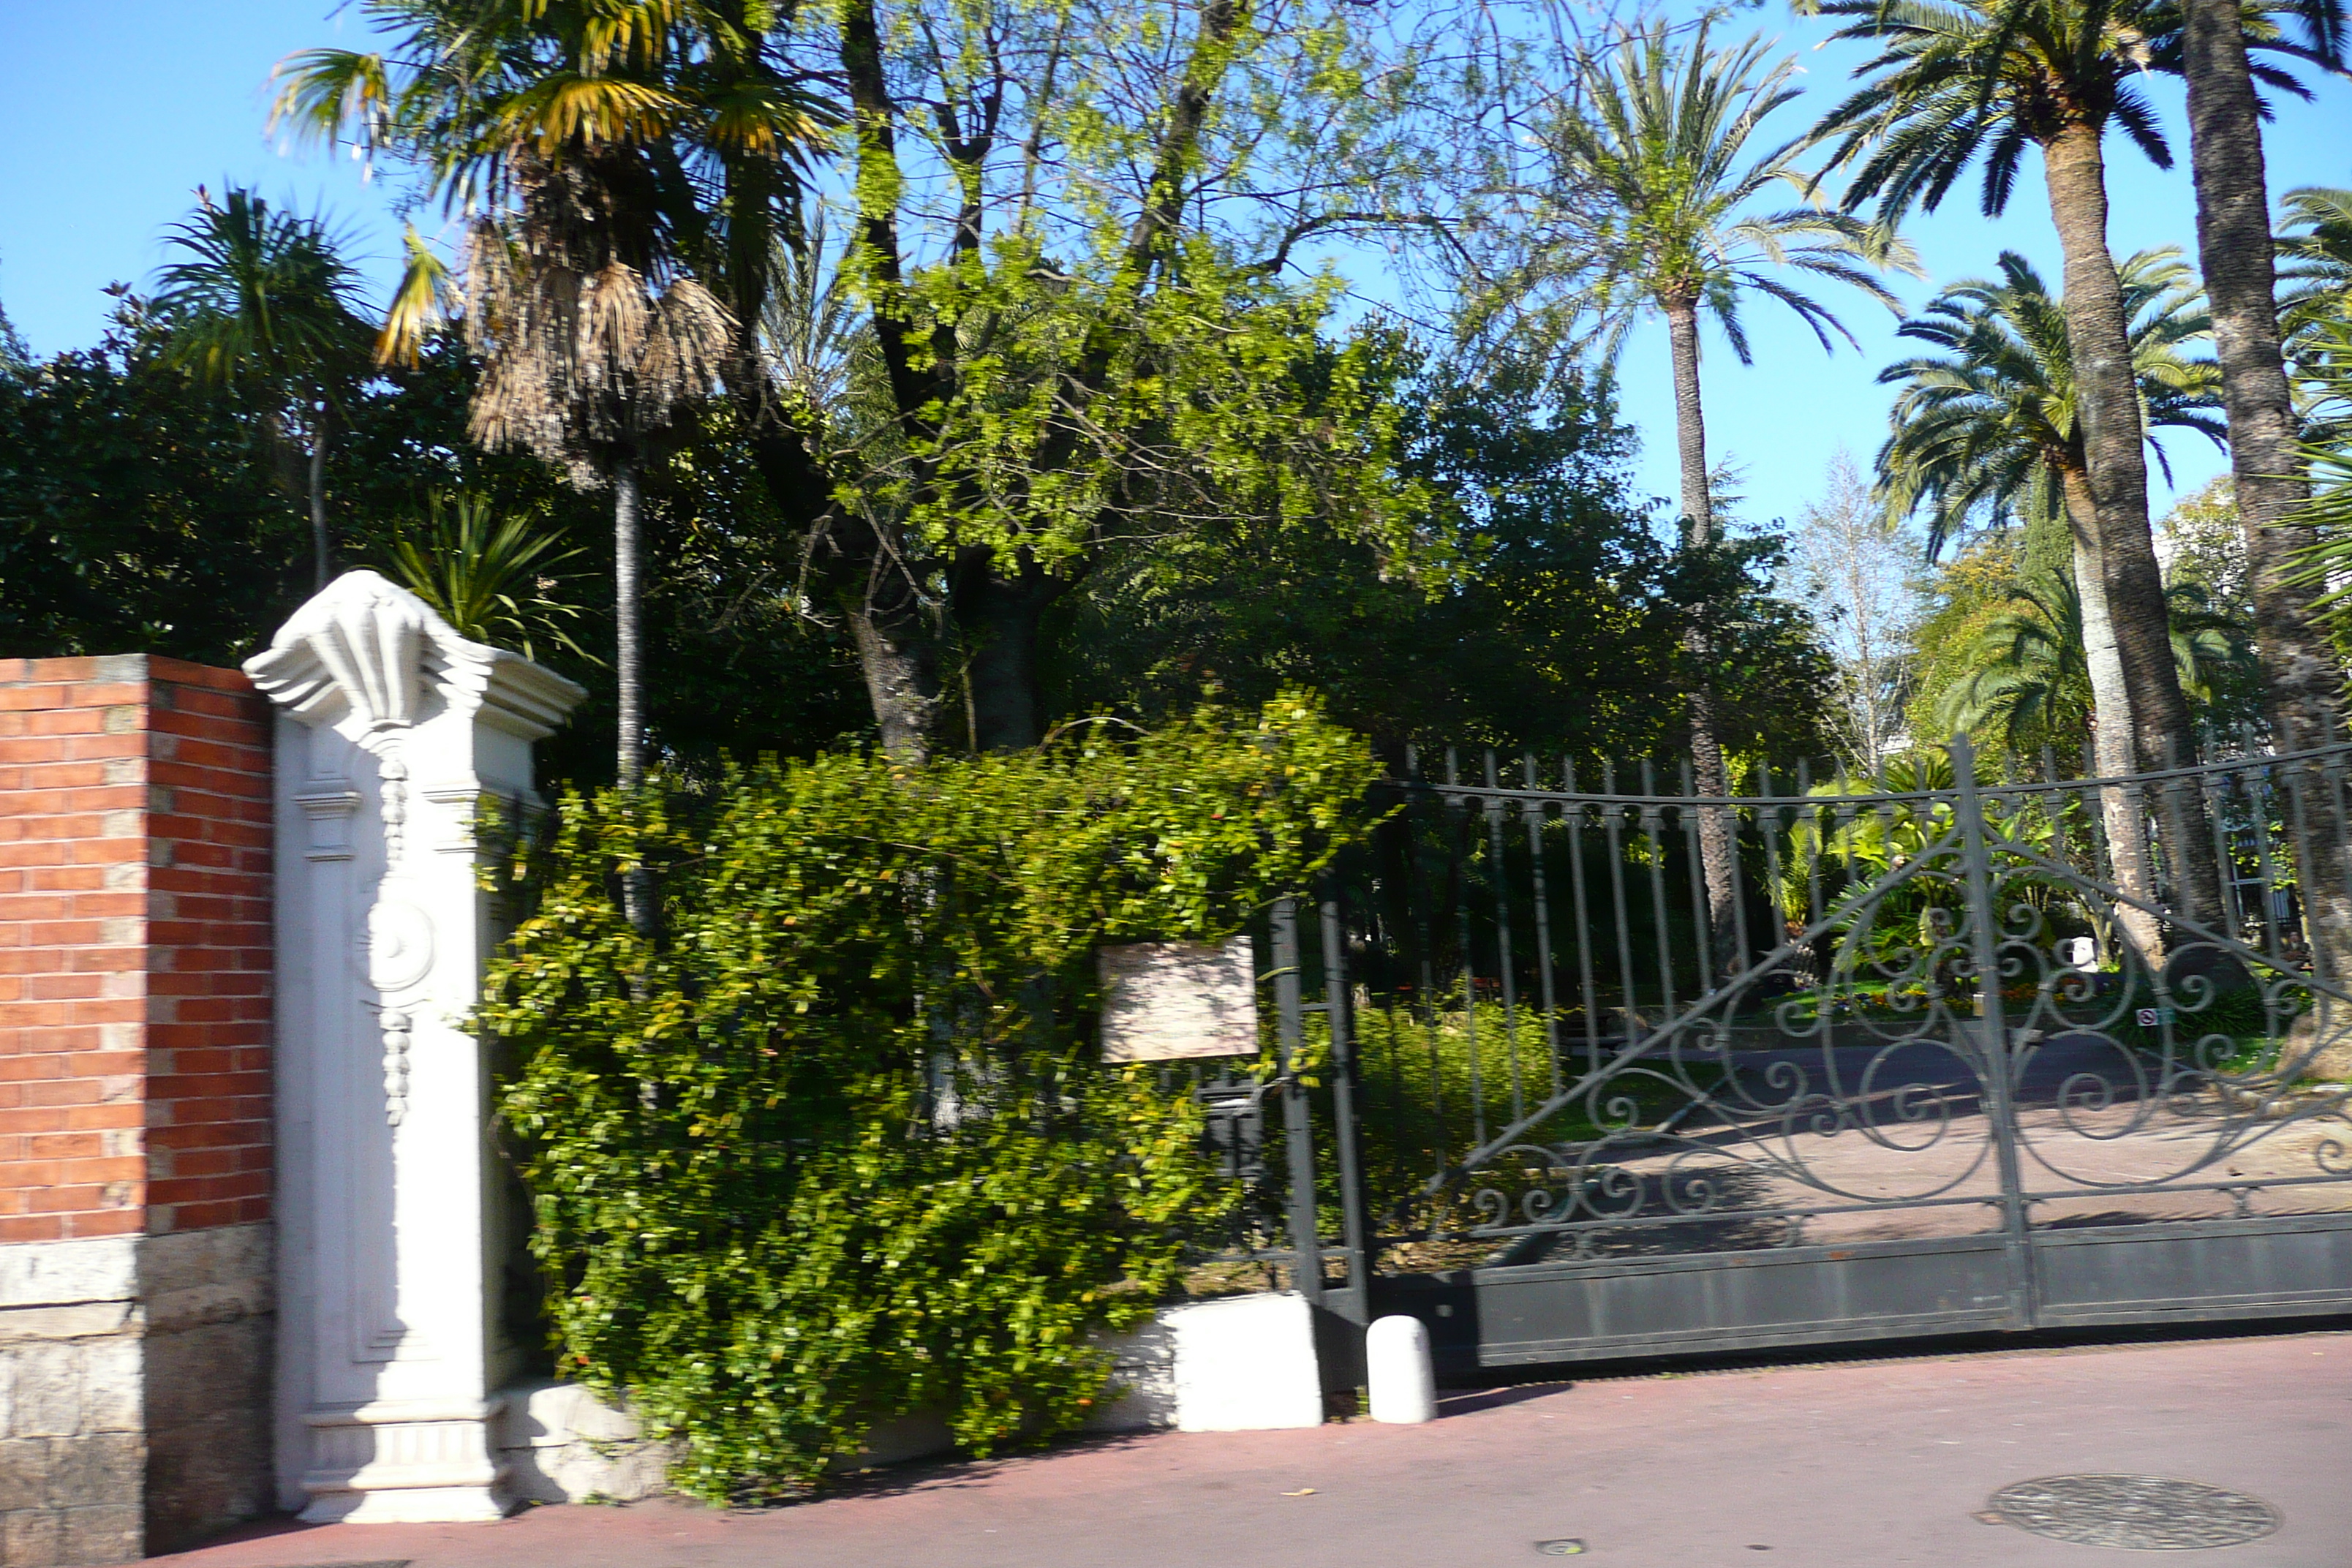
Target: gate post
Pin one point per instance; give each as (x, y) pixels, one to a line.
(1357, 1305)
(1297, 1122)
(395, 1223)
(1992, 1029)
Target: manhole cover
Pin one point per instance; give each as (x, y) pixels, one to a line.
(2145, 1513)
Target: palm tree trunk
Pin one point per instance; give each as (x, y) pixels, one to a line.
(628, 661)
(2111, 733)
(1717, 844)
(320, 544)
(2114, 442)
(2300, 671)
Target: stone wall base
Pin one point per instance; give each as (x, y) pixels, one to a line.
(1244, 1363)
(134, 1393)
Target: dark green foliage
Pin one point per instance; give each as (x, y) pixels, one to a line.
(143, 511)
(1547, 613)
(835, 1145)
(137, 515)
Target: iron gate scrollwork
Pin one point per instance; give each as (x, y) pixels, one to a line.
(1948, 1061)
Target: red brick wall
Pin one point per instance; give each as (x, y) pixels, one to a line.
(134, 948)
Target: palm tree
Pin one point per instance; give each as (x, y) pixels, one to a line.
(2234, 243)
(489, 576)
(1988, 430)
(267, 303)
(1954, 83)
(2031, 670)
(584, 139)
(1658, 158)
(2315, 244)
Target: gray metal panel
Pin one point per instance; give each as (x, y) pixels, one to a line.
(2289, 1266)
(1731, 1301)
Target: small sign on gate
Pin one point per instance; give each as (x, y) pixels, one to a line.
(1165, 1001)
(2151, 1017)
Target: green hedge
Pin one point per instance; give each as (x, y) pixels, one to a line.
(834, 1144)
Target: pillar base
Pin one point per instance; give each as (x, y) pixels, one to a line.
(405, 1464)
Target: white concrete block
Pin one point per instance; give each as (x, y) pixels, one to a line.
(1246, 1365)
(56, 1273)
(1396, 1368)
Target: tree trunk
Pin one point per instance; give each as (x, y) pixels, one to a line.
(628, 664)
(1717, 832)
(2106, 397)
(2111, 733)
(850, 567)
(320, 546)
(999, 617)
(894, 650)
(2300, 672)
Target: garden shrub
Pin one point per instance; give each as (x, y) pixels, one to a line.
(834, 1144)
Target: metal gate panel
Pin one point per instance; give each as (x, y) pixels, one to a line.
(1949, 1059)
(1807, 1295)
(2291, 1266)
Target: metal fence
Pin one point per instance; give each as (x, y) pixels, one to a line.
(1946, 1049)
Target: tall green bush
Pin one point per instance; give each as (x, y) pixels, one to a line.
(835, 1143)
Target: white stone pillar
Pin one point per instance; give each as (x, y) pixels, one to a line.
(393, 1227)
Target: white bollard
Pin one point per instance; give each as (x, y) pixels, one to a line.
(1396, 1366)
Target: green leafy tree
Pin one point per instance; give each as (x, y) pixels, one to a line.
(1654, 156)
(15, 356)
(1069, 264)
(1558, 620)
(265, 302)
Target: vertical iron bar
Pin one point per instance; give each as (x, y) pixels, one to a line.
(2297, 822)
(2268, 866)
(1653, 813)
(1425, 949)
(1297, 1123)
(1814, 858)
(1743, 951)
(2216, 783)
(1506, 960)
(1613, 827)
(1574, 815)
(1768, 828)
(1469, 970)
(1532, 813)
(1694, 862)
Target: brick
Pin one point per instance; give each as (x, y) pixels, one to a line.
(125, 1220)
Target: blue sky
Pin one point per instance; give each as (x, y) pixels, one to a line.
(118, 111)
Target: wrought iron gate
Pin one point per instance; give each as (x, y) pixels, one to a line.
(1956, 1053)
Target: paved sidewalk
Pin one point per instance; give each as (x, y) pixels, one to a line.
(1850, 1466)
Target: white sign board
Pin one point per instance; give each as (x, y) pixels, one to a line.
(1163, 1001)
